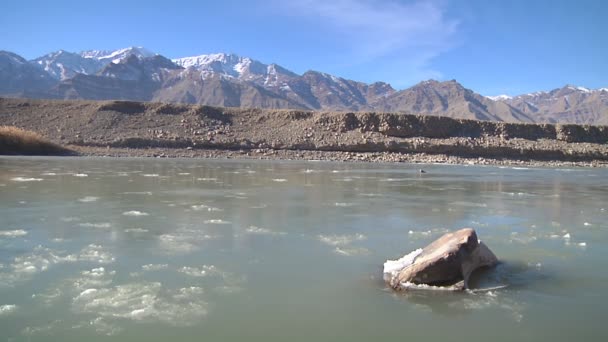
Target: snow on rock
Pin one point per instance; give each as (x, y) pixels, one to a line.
(391, 267)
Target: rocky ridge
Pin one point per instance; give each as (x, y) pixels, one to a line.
(143, 125)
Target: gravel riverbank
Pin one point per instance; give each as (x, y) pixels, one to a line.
(140, 129)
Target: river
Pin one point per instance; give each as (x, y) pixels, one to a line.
(101, 249)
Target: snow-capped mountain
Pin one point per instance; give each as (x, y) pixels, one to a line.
(227, 64)
(243, 68)
(135, 73)
(62, 65)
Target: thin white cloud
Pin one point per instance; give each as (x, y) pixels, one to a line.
(406, 35)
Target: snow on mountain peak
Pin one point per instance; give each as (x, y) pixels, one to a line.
(116, 56)
(499, 97)
(62, 64)
(577, 88)
(223, 63)
(534, 94)
(203, 60)
(95, 54)
(583, 89)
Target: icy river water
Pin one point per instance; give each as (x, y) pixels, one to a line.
(95, 249)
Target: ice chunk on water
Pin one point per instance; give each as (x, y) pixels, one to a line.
(135, 213)
(340, 240)
(87, 292)
(348, 251)
(154, 267)
(7, 309)
(41, 258)
(136, 230)
(217, 221)
(94, 253)
(88, 199)
(25, 179)
(12, 233)
(144, 302)
(184, 240)
(262, 231)
(200, 207)
(49, 296)
(203, 271)
(102, 326)
(101, 225)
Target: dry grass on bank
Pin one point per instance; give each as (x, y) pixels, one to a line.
(17, 141)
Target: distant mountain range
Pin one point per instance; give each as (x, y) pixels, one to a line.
(136, 73)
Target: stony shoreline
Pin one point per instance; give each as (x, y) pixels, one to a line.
(336, 156)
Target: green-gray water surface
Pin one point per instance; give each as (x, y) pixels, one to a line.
(201, 250)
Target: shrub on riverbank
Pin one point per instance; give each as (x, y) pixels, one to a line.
(17, 141)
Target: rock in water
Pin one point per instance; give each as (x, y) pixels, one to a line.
(447, 263)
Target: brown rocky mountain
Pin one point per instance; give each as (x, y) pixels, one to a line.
(565, 105)
(337, 93)
(188, 86)
(233, 81)
(449, 99)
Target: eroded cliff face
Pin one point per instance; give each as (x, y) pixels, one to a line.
(407, 126)
(145, 124)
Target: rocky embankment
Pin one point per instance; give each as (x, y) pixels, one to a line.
(138, 128)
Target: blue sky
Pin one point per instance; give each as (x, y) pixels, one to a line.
(492, 47)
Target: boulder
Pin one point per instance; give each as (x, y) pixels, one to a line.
(446, 263)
